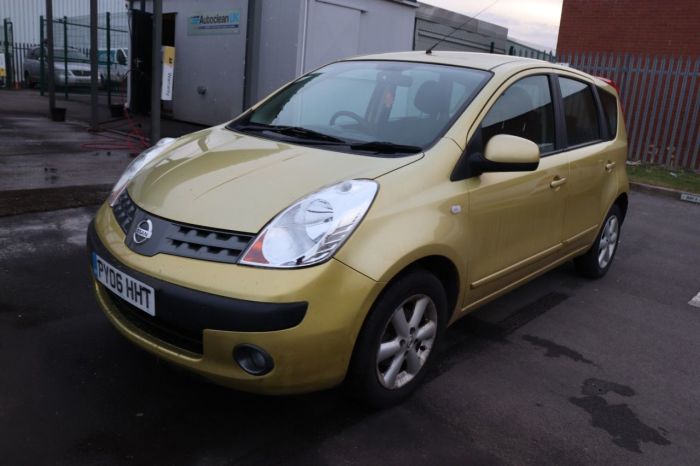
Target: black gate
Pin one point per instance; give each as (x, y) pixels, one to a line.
(141, 59)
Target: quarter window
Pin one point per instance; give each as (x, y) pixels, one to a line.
(580, 112)
(525, 109)
(610, 107)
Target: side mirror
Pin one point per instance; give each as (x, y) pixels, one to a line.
(506, 153)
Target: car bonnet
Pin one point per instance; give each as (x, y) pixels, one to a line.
(226, 180)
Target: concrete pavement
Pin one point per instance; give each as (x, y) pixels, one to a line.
(47, 165)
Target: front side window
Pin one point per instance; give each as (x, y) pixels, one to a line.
(397, 104)
(580, 112)
(525, 110)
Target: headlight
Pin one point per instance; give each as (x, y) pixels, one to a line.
(313, 229)
(136, 165)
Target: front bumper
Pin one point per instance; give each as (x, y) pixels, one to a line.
(306, 319)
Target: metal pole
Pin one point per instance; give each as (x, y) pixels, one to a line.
(65, 56)
(109, 61)
(49, 46)
(156, 70)
(93, 67)
(42, 58)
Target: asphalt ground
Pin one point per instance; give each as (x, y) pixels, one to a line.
(563, 370)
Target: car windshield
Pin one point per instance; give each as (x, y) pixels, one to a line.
(102, 56)
(367, 106)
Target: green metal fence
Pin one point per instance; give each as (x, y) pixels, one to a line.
(8, 53)
(71, 38)
(26, 64)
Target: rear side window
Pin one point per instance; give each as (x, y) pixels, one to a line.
(525, 109)
(580, 112)
(609, 102)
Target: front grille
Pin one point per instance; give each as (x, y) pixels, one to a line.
(191, 341)
(179, 239)
(201, 243)
(80, 72)
(124, 210)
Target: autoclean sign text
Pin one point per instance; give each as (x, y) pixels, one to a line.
(214, 23)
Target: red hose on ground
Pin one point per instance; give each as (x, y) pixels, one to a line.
(135, 142)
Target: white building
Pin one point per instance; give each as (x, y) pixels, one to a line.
(231, 53)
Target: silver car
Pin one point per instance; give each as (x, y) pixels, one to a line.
(70, 69)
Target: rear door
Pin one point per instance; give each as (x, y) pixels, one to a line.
(589, 149)
(515, 219)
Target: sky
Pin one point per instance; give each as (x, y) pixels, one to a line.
(535, 22)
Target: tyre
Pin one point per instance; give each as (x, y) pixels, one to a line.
(399, 339)
(28, 80)
(596, 262)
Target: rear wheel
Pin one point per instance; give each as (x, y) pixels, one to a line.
(596, 262)
(28, 80)
(397, 343)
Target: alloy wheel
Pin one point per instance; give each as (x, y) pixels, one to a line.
(608, 241)
(406, 341)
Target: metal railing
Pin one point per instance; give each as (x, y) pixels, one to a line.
(660, 99)
(72, 41)
(26, 63)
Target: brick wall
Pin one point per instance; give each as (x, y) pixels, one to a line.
(669, 27)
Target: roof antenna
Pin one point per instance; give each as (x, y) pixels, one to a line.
(430, 50)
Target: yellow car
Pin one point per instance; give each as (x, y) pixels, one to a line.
(333, 231)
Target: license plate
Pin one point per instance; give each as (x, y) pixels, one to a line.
(129, 289)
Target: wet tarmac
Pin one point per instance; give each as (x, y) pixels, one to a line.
(561, 371)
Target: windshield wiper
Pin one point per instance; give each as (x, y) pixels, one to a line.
(385, 147)
(315, 137)
(294, 131)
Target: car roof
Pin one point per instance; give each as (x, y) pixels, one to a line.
(482, 61)
(505, 64)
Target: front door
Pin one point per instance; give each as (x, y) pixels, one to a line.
(515, 219)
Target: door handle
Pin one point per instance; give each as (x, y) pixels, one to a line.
(609, 166)
(557, 181)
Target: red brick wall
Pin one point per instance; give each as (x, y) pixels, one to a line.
(635, 26)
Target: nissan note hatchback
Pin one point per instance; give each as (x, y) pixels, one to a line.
(334, 230)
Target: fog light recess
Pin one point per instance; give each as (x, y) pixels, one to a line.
(252, 359)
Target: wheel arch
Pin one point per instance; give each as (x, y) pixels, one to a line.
(622, 202)
(443, 268)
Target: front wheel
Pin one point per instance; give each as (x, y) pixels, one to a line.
(398, 341)
(596, 262)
